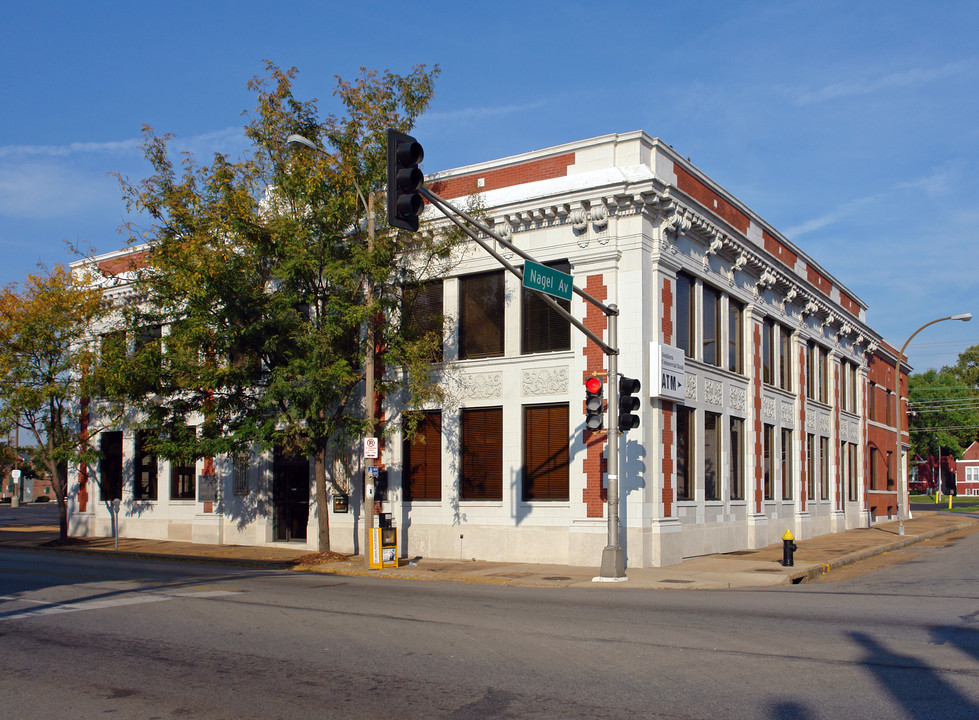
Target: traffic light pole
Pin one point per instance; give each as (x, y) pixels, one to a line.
(613, 558)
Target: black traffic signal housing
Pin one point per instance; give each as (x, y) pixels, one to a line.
(594, 403)
(405, 179)
(628, 403)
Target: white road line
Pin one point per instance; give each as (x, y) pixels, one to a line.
(58, 608)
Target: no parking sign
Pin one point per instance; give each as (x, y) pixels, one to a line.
(370, 447)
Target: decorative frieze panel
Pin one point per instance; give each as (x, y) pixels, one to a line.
(824, 424)
(545, 381)
(737, 398)
(810, 420)
(788, 416)
(691, 393)
(713, 392)
(477, 386)
(768, 408)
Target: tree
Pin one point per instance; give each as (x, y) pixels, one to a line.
(944, 413)
(260, 270)
(44, 370)
(966, 370)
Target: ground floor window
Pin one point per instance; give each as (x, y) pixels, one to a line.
(110, 466)
(482, 454)
(768, 461)
(183, 480)
(712, 456)
(737, 459)
(811, 466)
(684, 451)
(144, 479)
(546, 455)
(786, 464)
(824, 467)
(423, 459)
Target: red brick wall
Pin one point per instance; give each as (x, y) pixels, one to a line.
(594, 464)
(543, 169)
(774, 246)
(709, 199)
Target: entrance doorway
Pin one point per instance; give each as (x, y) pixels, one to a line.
(290, 496)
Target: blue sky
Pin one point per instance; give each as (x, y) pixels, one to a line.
(852, 127)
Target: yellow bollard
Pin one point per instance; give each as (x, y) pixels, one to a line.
(949, 502)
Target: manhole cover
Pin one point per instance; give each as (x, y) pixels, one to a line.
(680, 582)
(768, 570)
(556, 578)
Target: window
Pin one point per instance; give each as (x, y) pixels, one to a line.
(482, 304)
(823, 375)
(824, 468)
(811, 372)
(845, 386)
(811, 466)
(768, 457)
(183, 476)
(239, 476)
(112, 350)
(482, 454)
(712, 456)
(736, 469)
(872, 401)
(712, 326)
(144, 478)
(735, 336)
(423, 459)
(784, 358)
(422, 318)
(767, 351)
(546, 457)
(874, 480)
(110, 466)
(685, 330)
(543, 329)
(852, 471)
(890, 470)
(684, 453)
(786, 464)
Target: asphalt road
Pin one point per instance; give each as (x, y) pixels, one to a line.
(87, 637)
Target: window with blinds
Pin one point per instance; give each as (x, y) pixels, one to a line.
(543, 329)
(482, 302)
(482, 454)
(422, 314)
(546, 456)
(423, 459)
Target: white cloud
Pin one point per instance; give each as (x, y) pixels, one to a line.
(478, 113)
(913, 77)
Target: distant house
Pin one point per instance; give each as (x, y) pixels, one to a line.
(967, 471)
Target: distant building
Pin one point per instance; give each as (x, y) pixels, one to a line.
(780, 416)
(967, 471)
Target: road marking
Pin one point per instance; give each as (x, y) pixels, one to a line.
(66, 607)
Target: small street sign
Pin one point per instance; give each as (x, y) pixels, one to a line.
(370, 447)
(547, 280)
(373, 471)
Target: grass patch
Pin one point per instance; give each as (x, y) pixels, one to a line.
(962, 503)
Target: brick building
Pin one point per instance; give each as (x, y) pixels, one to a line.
(967, 471)
(779, 418)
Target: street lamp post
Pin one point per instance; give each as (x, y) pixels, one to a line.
(369, 361)
(902, 485)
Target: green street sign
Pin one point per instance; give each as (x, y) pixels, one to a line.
(547, 280)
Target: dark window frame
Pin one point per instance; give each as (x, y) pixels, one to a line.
(482, 315)
(546, 452)
(423, 481)
(481, 454)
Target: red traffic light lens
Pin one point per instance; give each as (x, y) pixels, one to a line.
(593, 385)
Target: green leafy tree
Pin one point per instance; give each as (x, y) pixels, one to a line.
(944, 413)
(966, 370)
(45, 368)
(264, 276)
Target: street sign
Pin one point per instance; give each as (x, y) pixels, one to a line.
(547, 280)
(666, 372)
(370, 447)
(373, 471)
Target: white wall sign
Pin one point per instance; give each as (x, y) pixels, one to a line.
(370, 447)
(666, 372)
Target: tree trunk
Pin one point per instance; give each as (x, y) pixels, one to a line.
(322, 509)
(60, 485)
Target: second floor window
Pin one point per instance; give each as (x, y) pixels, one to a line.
(482, 303)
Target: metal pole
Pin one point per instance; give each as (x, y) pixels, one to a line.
(369, 393)
(901, 482)
(613, 560)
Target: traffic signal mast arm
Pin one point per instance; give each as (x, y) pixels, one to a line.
(451, 212)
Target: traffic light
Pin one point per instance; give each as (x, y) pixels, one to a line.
(628, 402)
(594, 403)
(405, 179)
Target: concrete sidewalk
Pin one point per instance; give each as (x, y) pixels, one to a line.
(738, 570)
